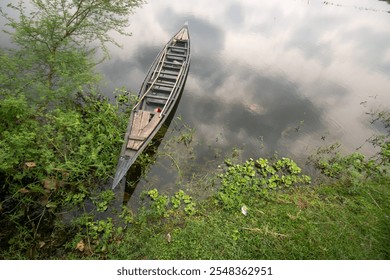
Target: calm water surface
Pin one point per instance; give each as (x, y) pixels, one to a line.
(286, 76)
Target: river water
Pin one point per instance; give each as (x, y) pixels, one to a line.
(285, 76)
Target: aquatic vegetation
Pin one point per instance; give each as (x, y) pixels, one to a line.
(165, 206)
(257, 178)
(355, 169)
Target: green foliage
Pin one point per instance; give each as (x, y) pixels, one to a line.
(74, 143)
(53, 160)
(254, 179)
(321, 222)
(165, 206)
(159, 205)
(59, 139)
(355, 170)
(54, 39)
(100, 232)
(126, 215)
(180, 198)
(382, 141)
(103, 200)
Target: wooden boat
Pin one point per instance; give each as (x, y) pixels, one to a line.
(158, 95)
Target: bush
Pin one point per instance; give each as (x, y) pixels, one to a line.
(52, 160)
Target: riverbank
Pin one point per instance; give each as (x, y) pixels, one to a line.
(321, 222)
(343, 217)
(261, 209)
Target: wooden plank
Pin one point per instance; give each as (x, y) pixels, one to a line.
(156, 102)
(178, 47)
(161, 84)
(140, 120)
(136, 121)
(160, 90)
(138, 138)
(166, 73)
(182, 35)
(153, 96)
(176, 51)
(151, 125)
(176, 55)
(171, 68)
(175, 64)
(167, 79)
(145, 119)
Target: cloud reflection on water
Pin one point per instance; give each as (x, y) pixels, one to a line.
(259, 68)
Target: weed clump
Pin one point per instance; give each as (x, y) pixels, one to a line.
(255, 179)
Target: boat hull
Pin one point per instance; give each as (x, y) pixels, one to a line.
(159, 94)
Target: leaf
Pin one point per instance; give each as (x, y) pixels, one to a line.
(24, 190)
(50, 184)
(80, 246)
(51, 204)
(41, 244)
(244, 210)
(30, 164)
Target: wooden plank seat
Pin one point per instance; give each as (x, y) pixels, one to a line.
(169, 79)
(174, 63)
(155, 102)
(162, 84)
(176, 47)
(157, 96)
(167, 73)
(140, 120)
(156, 91)
(138, 138)
(175, 56)
(171, 68)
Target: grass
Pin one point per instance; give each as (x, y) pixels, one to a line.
(333, 220)
(324, 222)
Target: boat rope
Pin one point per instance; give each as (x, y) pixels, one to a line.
(161, 62)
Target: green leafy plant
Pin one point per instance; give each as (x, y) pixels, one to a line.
(53, 160)
(54, 42)
(180, 198)
(164, 205)
(103, 200)
(256, 178)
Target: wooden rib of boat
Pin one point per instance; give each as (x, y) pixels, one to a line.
(158, 95)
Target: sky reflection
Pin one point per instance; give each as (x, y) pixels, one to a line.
(285, 76)
(264, 69)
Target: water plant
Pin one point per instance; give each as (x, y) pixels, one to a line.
(257, 177)
(162, 205)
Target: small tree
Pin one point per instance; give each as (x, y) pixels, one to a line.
(55, 38)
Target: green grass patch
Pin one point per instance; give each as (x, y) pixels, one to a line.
(305, 223)
(267, 209)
